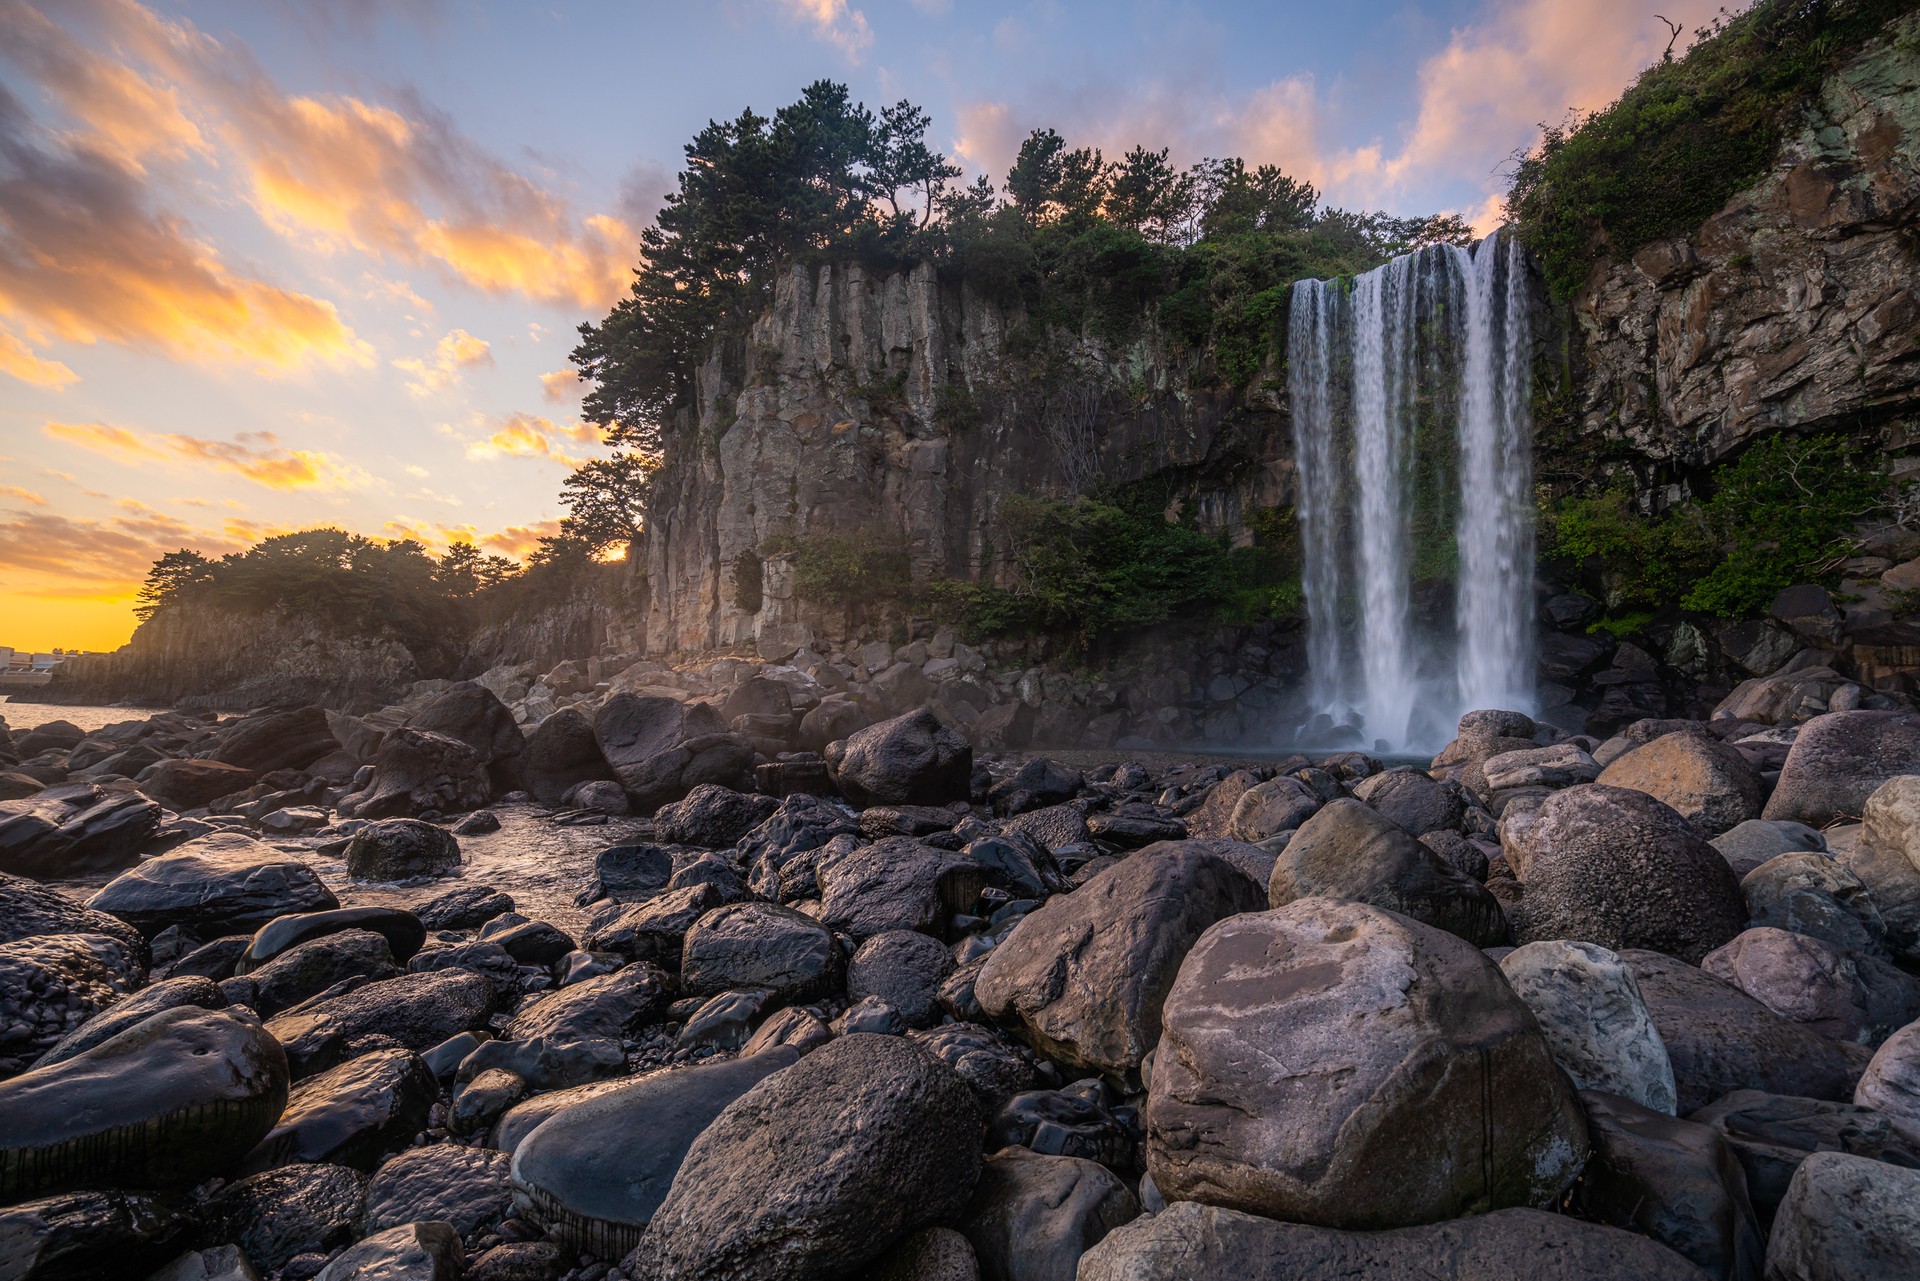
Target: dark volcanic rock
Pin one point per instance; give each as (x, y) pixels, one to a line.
(401, 849)
(416, 771)
(313, 967)
(351, 1115)
(220, 884)
(1413, 801)
(295, 1209)
(190, 784)
(278, 740)
(581, 1176)
(1349, 851)
(896, 884)
(164, 1104)
(402, 930)
(51, 984)
(84, 1236)
(1362, 1130)
(660, 748)
(444, 1182)
(1773, 1133)
(1038, 783)
(995, 1068)
(464, 907)
(472, 713)
(1086, 972)
(412, 1252)
(904, 969)
(562, 753)
(819, 1169)
(1033, 1216)
(653, 930)
(1615, 867)
(28, 908)
(612, 1006)
(417, 1011)
(1191, 1240)
(713, 816)
(169, 994)
(74, 829)
(909, 760)
(760, 945)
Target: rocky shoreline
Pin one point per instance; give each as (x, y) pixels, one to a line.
(884, 1000)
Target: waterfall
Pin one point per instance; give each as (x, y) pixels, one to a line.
(1410, 389)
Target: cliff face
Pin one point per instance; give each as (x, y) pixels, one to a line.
(1793, 308)
(889, 403)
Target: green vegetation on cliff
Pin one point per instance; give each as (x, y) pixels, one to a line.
(1689, 134)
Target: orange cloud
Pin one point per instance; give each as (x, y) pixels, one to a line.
(17, 360)
(254, 455)
(520, 541)
(846, 29)
(562, 385)
(530, 436)
(454, 352)
(24, 495)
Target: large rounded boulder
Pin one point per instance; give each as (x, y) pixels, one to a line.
(1333, 1063)
(909, 760)
(819, 1169)
(1085, 973)
(1699, 777)
(561, 753)
(1349, 851)
(402, 849)
(1616, 867)
(1837, 761)
(220, 884)
(1594, 1019)
(417, 770)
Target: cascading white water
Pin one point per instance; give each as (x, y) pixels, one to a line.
(1410, 388)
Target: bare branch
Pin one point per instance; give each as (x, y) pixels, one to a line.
(1674, 27)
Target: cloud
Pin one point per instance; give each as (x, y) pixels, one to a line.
(455, 351)
(562, 385)
(832, 21)
(254, 455)
(86, 559)
(24, 495)
(519, 541)
(530, 436)
(17, 360)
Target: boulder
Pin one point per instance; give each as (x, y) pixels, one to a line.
(931, 1254)
(582, 1176)
(414, 1011)
(222, 1263)
(1747, 845)
(79, 1236)
(1616, 867)
(660, 748)
(1035, 785)
(417, 770)
(297, 1209)
(1816, 895)
(1837, 761)
(818, 1170)
(1678, 1182)
(219, 884)
(904, 968)
(1445, 1101)
(760, 945)
(1412, 801)
(1033, 1216)
(895, 884)
(315, 967)
(276, 741)
(996, 1068)
(1891, 1083)
(1267, 809)
(1598, 1027)
(1191, 1240)
(1773, 1133)
(54, 736)
(1697, 776)
(401, 849)
(712, 816)
(190, 784)
(74, 830)
(609, 1007)
(351, 1115)
(168, 994)
(165, 1104)
(463, 907)
(28, 908)
(1846, 1218)
(444, 1183)
(413, 1252)
(560, 754)
(1841, 996)
(1886, 859)
(403, 931)
(1085, 973)
(1557, 765)
(1348, 851)
(470, 712)
(909, 760)
(1720, 1039)
(52, 984)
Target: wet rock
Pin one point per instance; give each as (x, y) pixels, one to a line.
(473, 714)
(1085, 973)
(191, 784)
(1033, 1216)
(488, 960)
(478, 823)
(51, 984)
(351, 1115)
(73, 830)
(1837, 761)
(1360, 1132)
(540, 943)
(220, 884)
(401, 849)
(1076, 1122)
(1700, 778)
(1720, 1039)
(484, 1098)
(222, 1263)
(1846, 1219)
(518, 1261)
(276, 741)
(1038, 783)
(415, 1011)
(760, 945)
(1891, 1083)
(403, 931)
(28, 909)
(798, 1029)
(444, 1182)
(726, 1021)
(464, 907)
(630, 873)
(1678, 1182)
(895, 884)
(1134, 830)
(1815, 895)
(1596, 1024)
(1772, 1134)
(1348, 851)
(878, 822)
(660, 749)
(601, 796)
(996, 1069)
(296, 1209)
(904, 969)
(909, 760)
(1412, 801)
(1189, 1239)
(311, 968)
(416, 771)
(169, 994)
(612, 1006)
(525, 1116)
(870, 1014)
(711, 870)
(1615, 867)
(582, 1176)
(819, 1169)
(82, 1236)
(213, 960)
(165, 1104)
(654, 930)
(1270, 808)
(560, 754)
(414, 1252)
(712, 816)
(1019, 864)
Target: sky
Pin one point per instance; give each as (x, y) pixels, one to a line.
(273, 264)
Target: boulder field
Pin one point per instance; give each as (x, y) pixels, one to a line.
(1550, 1008)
